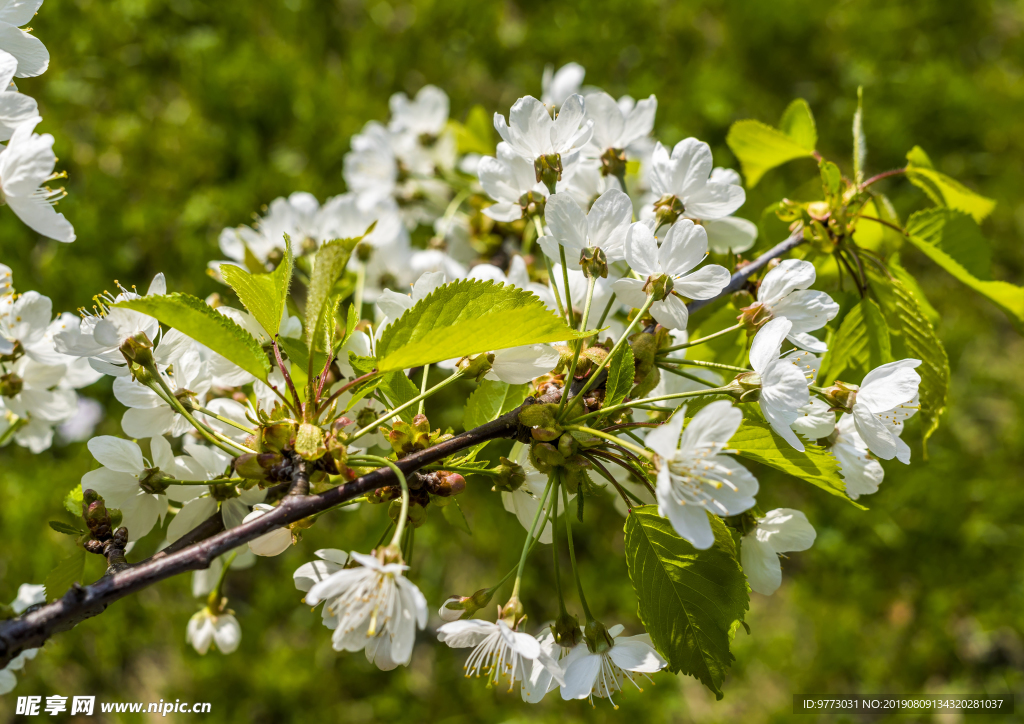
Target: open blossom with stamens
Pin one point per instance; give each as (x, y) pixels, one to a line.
(511, 180)
(686, 175)
(377, 608)
(783, 382)
(498, 651)
(782, 530)
(601, 673)
(886, 398)
(604, 227)
(26, 164)
(694, 478)
(784, 293)
(685, 246)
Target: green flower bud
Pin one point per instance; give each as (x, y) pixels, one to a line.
(548, 170)
(566, 630)
(278, 436)
(138, 349)
(541, 419)
(532, 204)
(545, 457)
(477, 366)
(594, 262)
(659, 286)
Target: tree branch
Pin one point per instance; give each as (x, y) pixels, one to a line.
(199, 547)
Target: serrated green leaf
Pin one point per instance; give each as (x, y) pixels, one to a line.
(73, 501)
(951, 240)
(919, 341)
(797, 122)
(351, 320)
(490, 400)
(860, 146)
(69, 570)
(264, 295)
(64, 528)
(468, 317)
(760, 148)
(943, 190)
(912, 285)
(621, 372)
(328, 267)
(399, 389)
(455, 517)
(861, 344)
(689, 600)
(755, 440)
(196, 319)
(298, 353)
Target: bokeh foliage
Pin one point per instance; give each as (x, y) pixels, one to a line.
(175, 118)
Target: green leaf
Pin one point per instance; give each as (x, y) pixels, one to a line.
(943, 190)
(399, 389)
(797, 122)
(64, 528)
(914, 288)
(297, 352)
(831, 180)
(196, 319)
(477, 134)
(264, 295)
(755, 440)
(68, 571)
(861, 344)
(950, 239)
(73, 501)
(468, 317)
(760, 148)
(328, 267)
(621, 371)
(490, 400)
(455, 517)
(870, 234)
(860, 146)
(919, 341)
(689, 600)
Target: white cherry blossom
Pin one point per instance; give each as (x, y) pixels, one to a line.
(886, 398)
(15, 107)
(686, 175)
(861, 472)
(589, 674)
(784, 292)
(604, 227)
(694, 477)
(507, 177)
(783, 382)
(558, 86)
(498, 651)
(782, 530)
(532, 133)
(219, 629)
(618, 127)
(26, 165)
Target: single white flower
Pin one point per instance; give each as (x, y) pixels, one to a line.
(220, 629)
(604, 227)
(694, 478)
(36, 393)
(862, 473)
(558, 86)
(532, 133)
(269, 544)
(601, 673)
(685, 246)
(370, 168)
(783, 383)
(29, 51)
(376, 608)
(508, 178)
(686, 175)
(784, 293)
(26, 164)
(782, 530)
(498, 651)
(541, 679)
(427, 115)
(124, 473)
(887, 397)
(617, 127)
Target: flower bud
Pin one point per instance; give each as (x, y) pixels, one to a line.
(510, 477)
(10, 385)
(548, 170)
(278, 436)
(449, 484)
(477, 366)
(567, 446)
(659, 286)
(97, 517)
(256, 466)
(457, 607)
(545, 457)
(541, 419)
(594, 262)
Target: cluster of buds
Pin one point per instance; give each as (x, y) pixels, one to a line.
(106, 535)
(436, 487)
(406, 438)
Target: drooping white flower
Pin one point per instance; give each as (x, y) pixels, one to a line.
(862, 473)
(99, 336)
(589, 674)
(815, 419)
(541, 679)
(685, 246)
(604, 227)
(784, 293)
(330, 561)
(376, 607)
(694, 478)
(269, 544)
(15, 107)
(220, 629)
(782, 530)
(507, 177)
(783, 384)
(124, 468)
(886, 399)
(617, 127)
(686, 175)
(26, 164)
(29, 51)
(558, 86)
(532, 133)
(28, 595)
(498, 651)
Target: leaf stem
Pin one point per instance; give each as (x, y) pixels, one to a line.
(701, 340)
(391, 413)
(530, 537)
(400, 525)
(572, 557)
(423, 389)
(681, 373)
(570, 317)
(702, 363)
(607, 308)
(579, 346)
(619, 441)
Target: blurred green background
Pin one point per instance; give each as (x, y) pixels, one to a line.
(175, 118)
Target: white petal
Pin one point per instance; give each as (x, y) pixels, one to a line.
(761, 564)
(789, 275)
(730, 234)
(117, 454)
(705, 283)
(671, 312)
(685, 246)
(631, 654)
(786, 530)
(642, 250)
(767, 343)
(580, 676)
